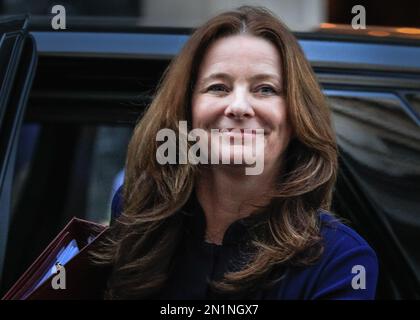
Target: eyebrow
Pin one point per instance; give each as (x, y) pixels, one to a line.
(225, 76)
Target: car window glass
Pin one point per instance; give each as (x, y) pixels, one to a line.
(380, 143)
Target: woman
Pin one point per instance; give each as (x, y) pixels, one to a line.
(197, 231)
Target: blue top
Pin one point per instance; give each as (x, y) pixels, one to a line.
(347, 268)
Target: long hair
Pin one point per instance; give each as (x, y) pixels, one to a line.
(144, 240)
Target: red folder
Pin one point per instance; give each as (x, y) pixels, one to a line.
(83, 279)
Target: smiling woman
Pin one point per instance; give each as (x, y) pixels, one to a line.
(250, 95)
(189, 231)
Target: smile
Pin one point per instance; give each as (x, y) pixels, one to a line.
(241, 131)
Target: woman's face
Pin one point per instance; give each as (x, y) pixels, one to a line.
(239, 86)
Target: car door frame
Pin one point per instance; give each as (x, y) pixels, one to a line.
(17, 69)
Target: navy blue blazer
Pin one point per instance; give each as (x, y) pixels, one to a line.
(347, 269)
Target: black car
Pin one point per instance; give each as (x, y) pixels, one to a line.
(69, 100)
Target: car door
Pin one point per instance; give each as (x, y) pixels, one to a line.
(18, 59)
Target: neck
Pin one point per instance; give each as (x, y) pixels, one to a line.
(226, 194)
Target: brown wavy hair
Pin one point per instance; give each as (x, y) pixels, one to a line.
(142, 243)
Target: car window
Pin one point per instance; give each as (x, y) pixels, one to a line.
(92, 173)
(379, 138)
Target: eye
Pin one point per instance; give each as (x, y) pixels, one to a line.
(266, 90)
(218, 88)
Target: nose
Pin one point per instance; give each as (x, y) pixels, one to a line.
(240, 106)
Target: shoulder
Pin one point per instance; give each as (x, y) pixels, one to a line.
(337, 235)
(348, 267)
